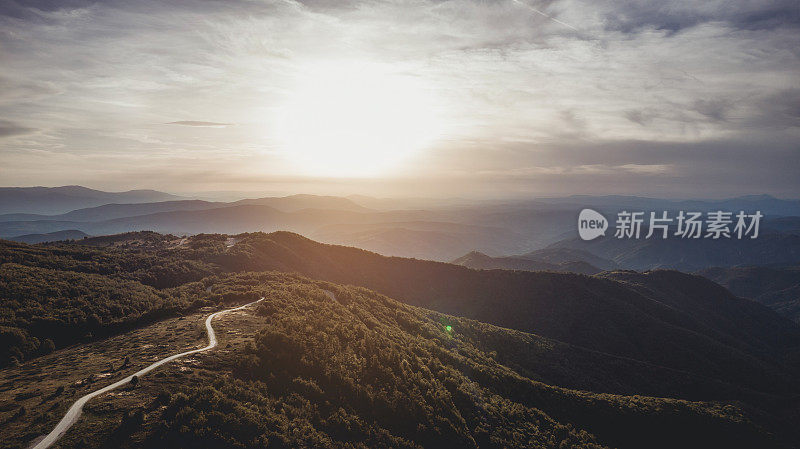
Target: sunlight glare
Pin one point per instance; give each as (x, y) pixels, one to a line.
(354, 119)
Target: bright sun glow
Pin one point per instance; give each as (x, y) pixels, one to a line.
(354, 119)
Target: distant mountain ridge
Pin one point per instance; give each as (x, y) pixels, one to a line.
(767, 204)
(121, 210)
(71, 234)
(115, 210)
(541, 230)
(438, 235)
(293, 203)
(54, 200)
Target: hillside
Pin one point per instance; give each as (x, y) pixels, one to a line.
(595, 313)
(398, 378)
(43, 309)
(609, 315)
(771, 247)
(776, 287)
(662, 333)
(332, 366)
(561, 255)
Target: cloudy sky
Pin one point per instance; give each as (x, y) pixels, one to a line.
(458, 98)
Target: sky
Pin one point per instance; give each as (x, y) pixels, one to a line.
(507, 98)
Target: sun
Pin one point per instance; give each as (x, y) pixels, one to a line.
(350, 119)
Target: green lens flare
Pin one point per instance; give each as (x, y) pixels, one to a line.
(448, 328)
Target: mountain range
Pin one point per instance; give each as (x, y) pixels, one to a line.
(442, 230)
(56, 200)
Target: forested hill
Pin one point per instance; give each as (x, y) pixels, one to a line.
(660, 333)
(337, 366)
(669, 319)
(373, 372)
(776, 287)
(728, 338)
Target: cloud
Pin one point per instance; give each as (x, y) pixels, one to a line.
(716, 110)
(199, 124)
(674, 95)
(675, 15)
(640, 117)
(10, 129)
(780, 109)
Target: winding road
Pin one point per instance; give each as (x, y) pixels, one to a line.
(74, 411)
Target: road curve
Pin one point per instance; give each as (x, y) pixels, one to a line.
(74, 411)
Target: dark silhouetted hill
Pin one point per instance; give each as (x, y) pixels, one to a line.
(561, 255)
(771, 247)
(431, 240)
(520, 356)
(341, 367)
(775, 287)
(597, 313)
(480, 261)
